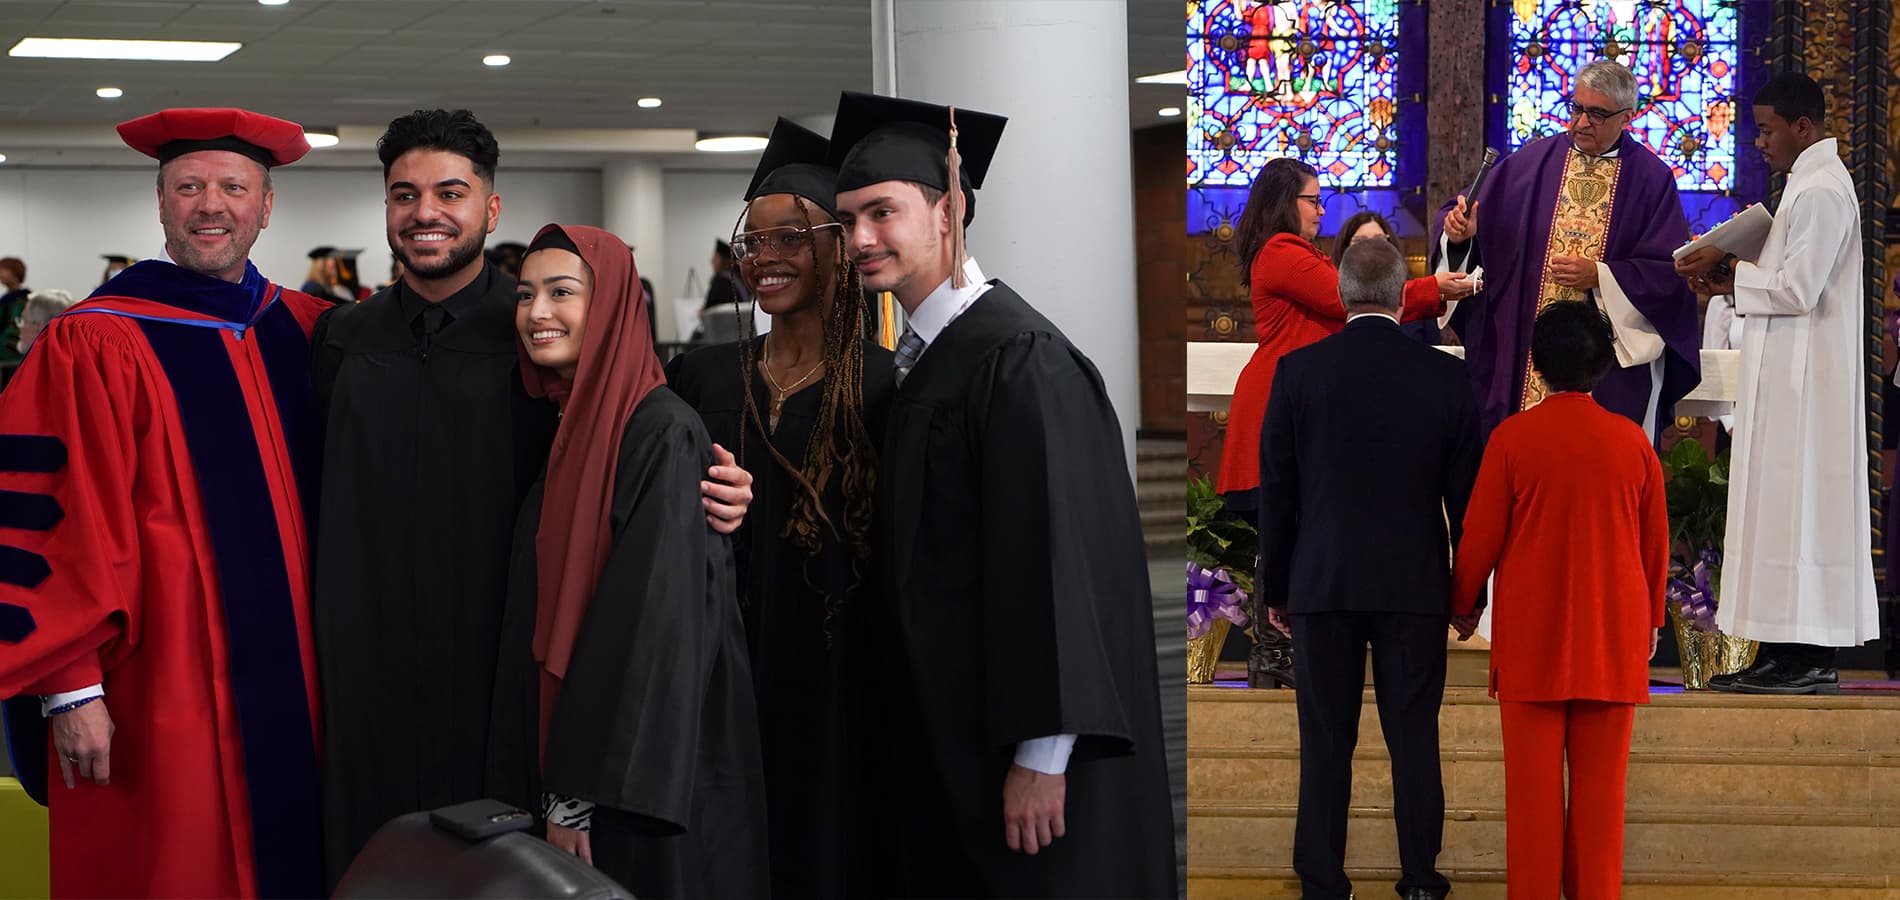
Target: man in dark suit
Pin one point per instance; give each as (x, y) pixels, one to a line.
(1369, 450)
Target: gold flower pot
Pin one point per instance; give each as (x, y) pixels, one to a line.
(1203, 653)
(1706, 655)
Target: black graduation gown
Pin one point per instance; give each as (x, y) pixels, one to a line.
(795, 609)
(655, 720)
(1020, 609)
(426, 460)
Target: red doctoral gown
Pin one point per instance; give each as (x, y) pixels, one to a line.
(156, 449)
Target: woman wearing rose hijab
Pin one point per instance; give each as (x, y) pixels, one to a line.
(633, 708)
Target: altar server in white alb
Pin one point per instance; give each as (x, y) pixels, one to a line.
(1798, 572)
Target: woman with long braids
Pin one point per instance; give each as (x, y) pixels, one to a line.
(802, 405)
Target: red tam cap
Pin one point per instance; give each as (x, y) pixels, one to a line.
(170, 133)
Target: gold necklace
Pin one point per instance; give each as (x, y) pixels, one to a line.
(778, 401)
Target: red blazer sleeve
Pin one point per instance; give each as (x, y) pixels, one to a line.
(1421, 300)
(1655, 538)
(70, 440)
(1487, 521)
(1288, 268)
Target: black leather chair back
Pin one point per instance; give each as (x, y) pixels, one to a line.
(414, 858)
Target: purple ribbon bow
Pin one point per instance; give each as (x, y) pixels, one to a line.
(1212, 594)
(1689, 588)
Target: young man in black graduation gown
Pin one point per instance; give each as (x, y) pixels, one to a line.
(1019, 692)
(430, 444)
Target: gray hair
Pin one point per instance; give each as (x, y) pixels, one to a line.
(1612, 79)
(42, 306)
(1372, 274)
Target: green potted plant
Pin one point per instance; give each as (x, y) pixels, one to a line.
(1697, 492)
(1220, 553)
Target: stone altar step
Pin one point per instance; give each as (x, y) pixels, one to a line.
(1775, 797)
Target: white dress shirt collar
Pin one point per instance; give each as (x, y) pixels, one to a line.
(946, 303)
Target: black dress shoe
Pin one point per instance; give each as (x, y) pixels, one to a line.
(1819, 680)
(1764, 667)
(1422, 894)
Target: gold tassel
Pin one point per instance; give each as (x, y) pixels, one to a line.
(955, 188)
(887, 321)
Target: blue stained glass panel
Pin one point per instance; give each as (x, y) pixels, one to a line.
(1313, 79)
(1685, 57)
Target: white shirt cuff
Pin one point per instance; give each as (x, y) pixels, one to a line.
(50, 702)
(568, 812)
(1048, 755)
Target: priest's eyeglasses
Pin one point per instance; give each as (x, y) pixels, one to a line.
(784, 241)
(1596, 116)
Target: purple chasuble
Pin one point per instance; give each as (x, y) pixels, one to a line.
(1516, 205)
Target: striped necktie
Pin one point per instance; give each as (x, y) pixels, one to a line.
(909, 347)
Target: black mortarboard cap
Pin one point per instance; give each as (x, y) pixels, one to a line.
(116, 258)
(794, 163)
(876, 139)
(321, 252)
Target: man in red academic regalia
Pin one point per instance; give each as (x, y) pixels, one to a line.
(157, 448)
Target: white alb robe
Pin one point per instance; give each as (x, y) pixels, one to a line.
(1797, 563)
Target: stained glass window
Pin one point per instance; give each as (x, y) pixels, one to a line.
(1684, 56)
(1313, 79)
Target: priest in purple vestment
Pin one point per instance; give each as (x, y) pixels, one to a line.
(1590, 215)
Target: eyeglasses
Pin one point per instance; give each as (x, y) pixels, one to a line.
(1313, 199)
(1596, 116)
(783, 242)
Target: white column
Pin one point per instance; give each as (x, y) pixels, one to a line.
(1055, 216)
(633, 205)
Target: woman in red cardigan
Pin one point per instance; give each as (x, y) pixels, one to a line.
(1295, 289)
(1569, 512)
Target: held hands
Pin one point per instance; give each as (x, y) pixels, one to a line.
(1032, 809)
(727, 493)
(1455, 285)
(1466, 626)
(83, 740)
(1574, 272)
(1277, 617)
(575, 842)
(1461, 223)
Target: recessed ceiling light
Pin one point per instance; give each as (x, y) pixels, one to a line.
(272, 2)
(1167, 112)
(109, 93)
(496, 60)
(3, 157)
(1178, 77)
(731, 144)
(648, 103)
(89, 48)
(320, 139)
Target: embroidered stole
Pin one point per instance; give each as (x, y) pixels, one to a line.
(1580, 226)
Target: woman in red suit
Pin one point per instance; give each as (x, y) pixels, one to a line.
(1295, 290)
(1569, 512)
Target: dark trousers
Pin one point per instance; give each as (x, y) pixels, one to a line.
(1799, 657)
(1408, 668)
